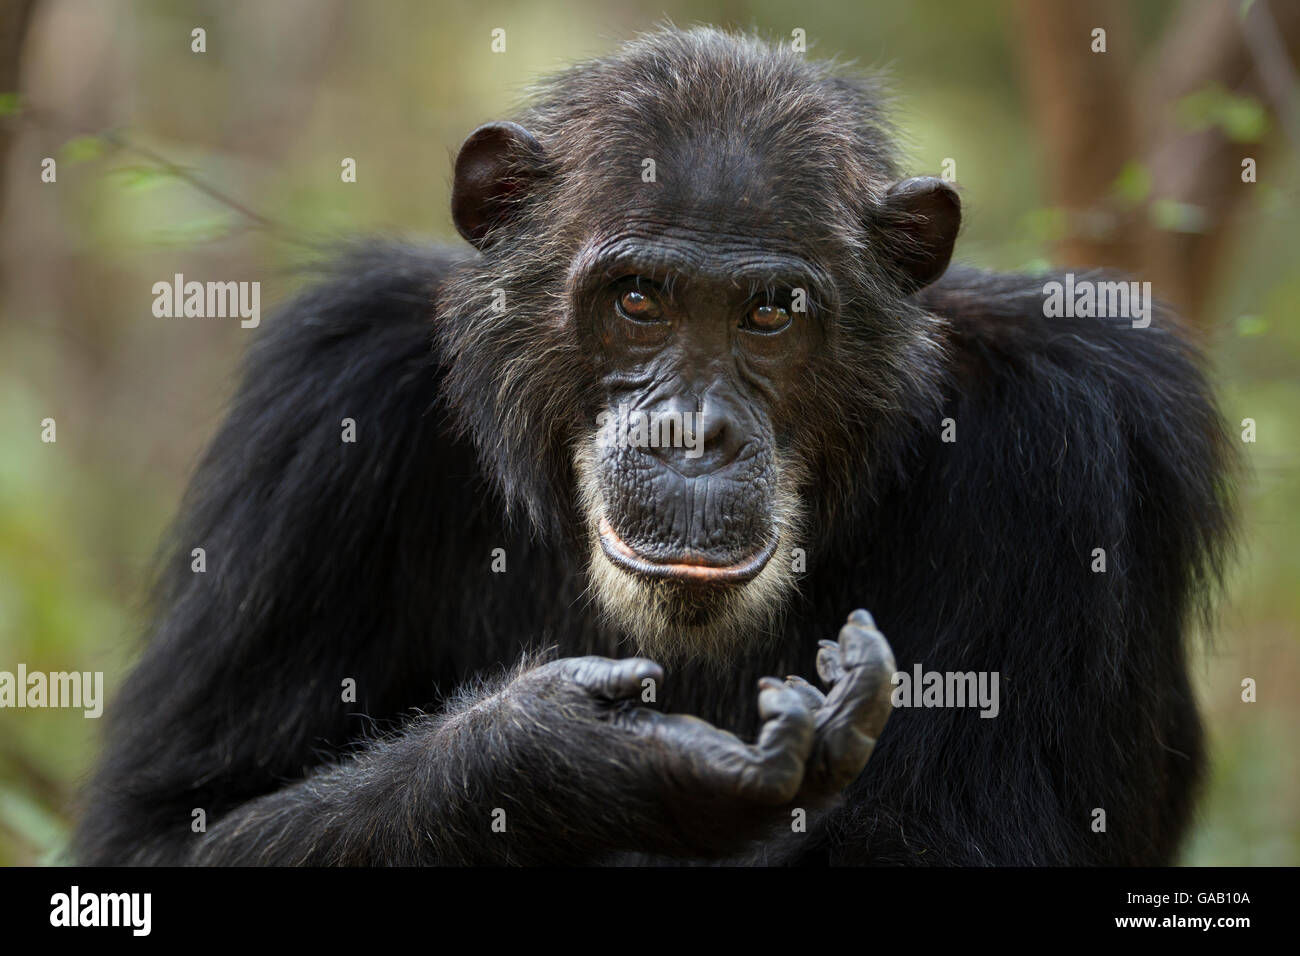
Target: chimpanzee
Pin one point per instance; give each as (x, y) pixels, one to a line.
(702, 390)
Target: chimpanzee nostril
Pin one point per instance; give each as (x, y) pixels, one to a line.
(694, 442)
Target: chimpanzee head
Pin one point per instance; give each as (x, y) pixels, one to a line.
(690, 339)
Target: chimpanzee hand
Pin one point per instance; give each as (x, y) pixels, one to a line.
(701, 788)
(850, 718)
(675, 753)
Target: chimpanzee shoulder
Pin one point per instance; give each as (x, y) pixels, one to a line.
(1115, 414)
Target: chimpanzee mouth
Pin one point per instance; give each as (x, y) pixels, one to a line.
(690, 569)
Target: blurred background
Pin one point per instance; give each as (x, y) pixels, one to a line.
(226, 164)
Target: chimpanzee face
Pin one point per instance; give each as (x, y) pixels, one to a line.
(705, 301)
(685, 455)
(701, 316)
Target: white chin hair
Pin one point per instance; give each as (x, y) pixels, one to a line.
(670, 620)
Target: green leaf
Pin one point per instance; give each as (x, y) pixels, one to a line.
(11, 104)
(1178, 216)
(1242, 119)
(1133, 184)
(1249, 326)
(202, 229)
(143, 178)
(82, 149)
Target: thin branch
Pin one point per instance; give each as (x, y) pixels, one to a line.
(1276, 74)
(116, 138)
(119, 140)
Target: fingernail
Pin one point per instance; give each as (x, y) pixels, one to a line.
(862, 617)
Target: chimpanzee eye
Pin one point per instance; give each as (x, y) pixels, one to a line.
(639, 306)
(767, 317)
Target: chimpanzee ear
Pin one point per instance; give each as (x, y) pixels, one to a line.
(496, 166)
(922, 216)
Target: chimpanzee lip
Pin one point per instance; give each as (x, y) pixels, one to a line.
(696, 572)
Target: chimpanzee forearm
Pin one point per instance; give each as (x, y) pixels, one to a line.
(447, 790)
(488, 782)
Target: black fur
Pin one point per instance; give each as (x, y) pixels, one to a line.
(370, 561)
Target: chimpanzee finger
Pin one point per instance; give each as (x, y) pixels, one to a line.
(829, 666)
(812, 697)
(783, 744)
(861, 698)
(609, 678)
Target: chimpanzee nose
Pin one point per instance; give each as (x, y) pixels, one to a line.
(695, 438)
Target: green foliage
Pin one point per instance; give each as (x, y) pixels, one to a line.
(1250, 326)
(141, 178)
(82, 149)
(1242, 119)
(1133, 184)
(198, 230)
(1178, 216)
